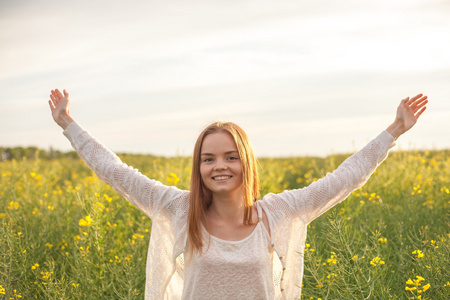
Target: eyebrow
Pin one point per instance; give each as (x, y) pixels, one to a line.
(228, 152)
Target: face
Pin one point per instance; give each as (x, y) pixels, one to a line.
(220, 166)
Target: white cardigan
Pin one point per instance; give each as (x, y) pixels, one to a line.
(288, 213)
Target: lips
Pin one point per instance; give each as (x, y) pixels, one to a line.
(221, 177)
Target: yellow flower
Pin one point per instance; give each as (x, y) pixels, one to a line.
(409, 281)
(426, 287)
(376, 261)
(86, 221)
(137, 235)
(13, 205)
(418, 253)
(128, 257)
(100, 206)
(46, 275)
(173, 179)
(419, 279)
(332, 260)
(410, 288)
(107, 198)
(35, 266)
(63, 244)
(2, 290)
(382, 240)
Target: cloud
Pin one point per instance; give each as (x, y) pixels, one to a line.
(174, 66)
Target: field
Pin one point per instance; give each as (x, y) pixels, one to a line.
(66, 235)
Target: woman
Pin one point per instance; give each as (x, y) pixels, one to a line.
(235, 247)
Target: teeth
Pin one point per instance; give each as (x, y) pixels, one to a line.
(221, 177)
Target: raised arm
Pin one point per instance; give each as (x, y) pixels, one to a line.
(315, 199)
(148, 195)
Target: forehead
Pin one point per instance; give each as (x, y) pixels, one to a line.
(218, 142)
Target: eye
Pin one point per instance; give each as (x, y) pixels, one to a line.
(233, 158)
(207, 160)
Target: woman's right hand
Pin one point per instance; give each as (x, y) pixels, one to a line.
(59, 105)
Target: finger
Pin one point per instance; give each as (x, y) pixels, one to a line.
(420, 112)
(54, 100)
(66, 94)
(54, 97)
(421, 99)
(419, 103)
(60, 95)
(52, 106)
(414, 98)
(420, 107)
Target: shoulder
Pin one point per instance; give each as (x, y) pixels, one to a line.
(275, 203)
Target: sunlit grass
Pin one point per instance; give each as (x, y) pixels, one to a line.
(66, 235)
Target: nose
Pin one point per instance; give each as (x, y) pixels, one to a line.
(220, 165)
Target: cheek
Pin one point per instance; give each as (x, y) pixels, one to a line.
(203, 171)
(238, 171)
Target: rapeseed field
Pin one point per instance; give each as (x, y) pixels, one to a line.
(66, 235)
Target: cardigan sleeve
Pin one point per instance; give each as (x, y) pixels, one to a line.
(312, 201)
(148, 195)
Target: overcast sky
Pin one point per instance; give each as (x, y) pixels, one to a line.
(301, 77)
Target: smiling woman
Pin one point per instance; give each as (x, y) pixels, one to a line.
(224, 182)
(237, 247)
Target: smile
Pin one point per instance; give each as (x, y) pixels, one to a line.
(221, 177)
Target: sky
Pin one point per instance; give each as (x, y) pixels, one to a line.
(301, 77)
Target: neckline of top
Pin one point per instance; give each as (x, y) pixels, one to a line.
(232, 241)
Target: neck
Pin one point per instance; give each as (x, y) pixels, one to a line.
(227, 207)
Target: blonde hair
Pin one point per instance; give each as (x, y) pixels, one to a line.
(201, 197)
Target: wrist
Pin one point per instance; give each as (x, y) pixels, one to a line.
(64, 121)
(396, 129)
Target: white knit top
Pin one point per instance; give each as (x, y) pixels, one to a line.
(232, 269)
(288, 213)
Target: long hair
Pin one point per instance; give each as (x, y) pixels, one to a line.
(201, 196)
